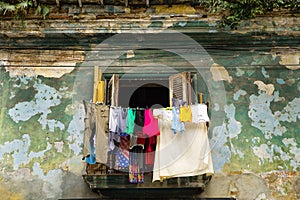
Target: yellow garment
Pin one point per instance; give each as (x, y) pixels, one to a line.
(185, 114)
(100, 92)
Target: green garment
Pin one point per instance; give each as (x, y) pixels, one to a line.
(130, 121)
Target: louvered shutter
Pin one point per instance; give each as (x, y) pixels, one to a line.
(112, 97)
(180, 87)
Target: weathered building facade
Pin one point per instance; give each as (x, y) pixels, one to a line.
(249, 76)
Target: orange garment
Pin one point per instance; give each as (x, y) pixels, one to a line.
(185, 114)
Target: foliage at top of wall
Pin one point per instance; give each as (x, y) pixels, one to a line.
(236, 10)
(232, 11)
(20, 8)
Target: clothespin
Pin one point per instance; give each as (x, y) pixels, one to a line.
(200, 98)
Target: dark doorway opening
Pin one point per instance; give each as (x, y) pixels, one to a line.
(150, 95)
(138, 94)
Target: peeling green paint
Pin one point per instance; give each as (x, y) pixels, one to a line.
(259, 133)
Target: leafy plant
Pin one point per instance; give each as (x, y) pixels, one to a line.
(23, 5)
(237, 10)
(42, 10)
(6, 7)
(20, 9)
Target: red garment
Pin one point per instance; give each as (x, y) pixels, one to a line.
(141, 139)
(150, 151)
(150, 124)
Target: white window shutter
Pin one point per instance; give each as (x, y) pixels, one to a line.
(180, 87)
(113, 91)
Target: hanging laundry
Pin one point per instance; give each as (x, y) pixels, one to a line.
(91, 158)
(96, 133)
(139, 121)
(113, 119)
(168, 115)
(177, 102)
(113, 139)
(112, 159)
(130, 121)
(150, 146)
(185, 114)
(102, 118)
(181, 155)
(163, 113)
(89, 124)
(158, 113)
(150, 124)
(122, 162)
(123, 155)
(137, 139)
(177, 125)
(122, 121)
(199, 113)
(100, 91)
(136, 165)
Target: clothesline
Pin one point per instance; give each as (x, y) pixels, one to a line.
(188, 113)
(175, 102)
(152, 108)
(144, 120)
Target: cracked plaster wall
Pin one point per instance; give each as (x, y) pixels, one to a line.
(255, 150)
